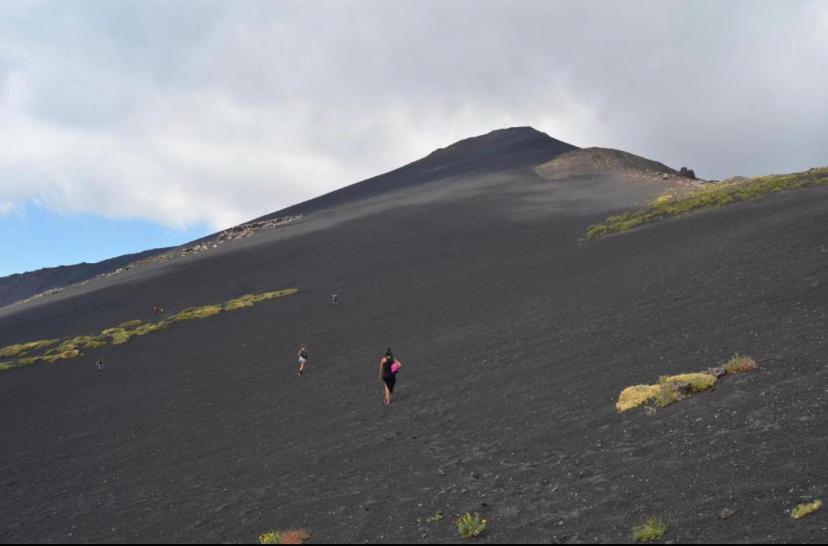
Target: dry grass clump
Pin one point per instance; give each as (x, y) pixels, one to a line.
(697, 382)
(471, 526)
(633, 397)
(653, 528)
(129, 324)
(668, 391)
(805, 510)
(740, 364)
(436, 518)
(23, 348)
(294, 536)
(117, 336)
(193, 313)
(668, 394)
(250, 300)
(674, 388)
(239, 303)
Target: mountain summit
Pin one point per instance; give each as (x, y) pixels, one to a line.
(501, 150)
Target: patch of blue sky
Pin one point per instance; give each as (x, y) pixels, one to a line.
(32, 237)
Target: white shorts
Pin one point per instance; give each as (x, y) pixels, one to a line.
(302, 360)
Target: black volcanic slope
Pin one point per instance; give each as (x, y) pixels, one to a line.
(22, 286)
(517, 341)
(501, 150)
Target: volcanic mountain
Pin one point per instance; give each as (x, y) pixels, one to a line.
(516, 336)
(21, 286)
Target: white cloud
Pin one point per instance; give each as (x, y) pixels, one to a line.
(190, 112)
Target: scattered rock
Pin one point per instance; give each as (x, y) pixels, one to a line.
(687, 173)
(682, 389)
(727, 513)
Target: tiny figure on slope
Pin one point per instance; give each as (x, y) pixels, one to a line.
(303, 359)
(99, 364)
(389, 368)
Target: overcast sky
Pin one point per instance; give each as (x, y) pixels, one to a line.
(199, 115)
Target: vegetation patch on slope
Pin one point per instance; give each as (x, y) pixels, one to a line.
(23, 348)
(654, 528)
(674, 388)
(805, 510)
(69, 348)
(709, 196)
(295, 536)
(471, 526)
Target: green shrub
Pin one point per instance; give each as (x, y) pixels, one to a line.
(26, 361)
(271, 537)
(471, 526)
(130, 324)
(23, 348)
(294, 536)
(666, 392)
(638, 395)
(239, 303)
(805, 510)
(740, 364)
(436, 518)
(667, 396)
(193, 313)
(653, 528)
(698, 382)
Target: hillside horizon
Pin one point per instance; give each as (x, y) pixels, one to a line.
(498, 150)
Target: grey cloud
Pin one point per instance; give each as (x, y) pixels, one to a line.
(230, 110)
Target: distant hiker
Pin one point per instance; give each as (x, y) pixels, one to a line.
(334, 298)
(303, 358)
(99, 364)
(389, 367)
(157, 310)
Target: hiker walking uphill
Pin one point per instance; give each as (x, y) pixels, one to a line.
(388, 368)
(303, 358)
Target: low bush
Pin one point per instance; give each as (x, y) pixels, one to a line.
(807, 509)
(471, 526)
(667, 396)
(653, 528)
(294, 536)
(668, 391)
(698, 382)
(740, 364)
(633, 397)
(23, 348)
(436, 518)
(193, 313)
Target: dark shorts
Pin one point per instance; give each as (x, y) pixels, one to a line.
(390, 381)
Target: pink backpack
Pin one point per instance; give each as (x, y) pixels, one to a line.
(395, 367)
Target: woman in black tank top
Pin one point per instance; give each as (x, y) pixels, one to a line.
(389, 367)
